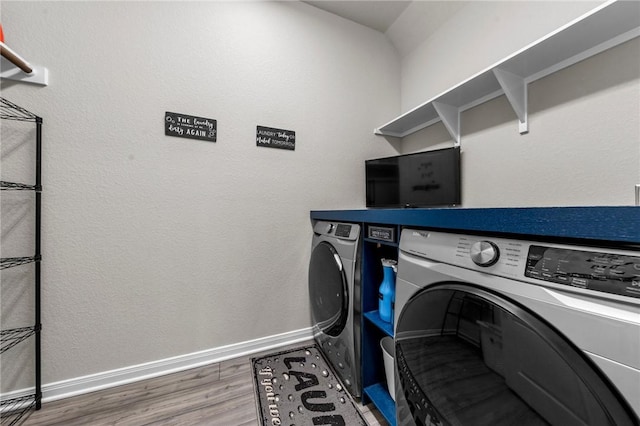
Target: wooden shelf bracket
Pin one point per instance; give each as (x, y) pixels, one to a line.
(14, 67)
(450, 116)
(515, 88)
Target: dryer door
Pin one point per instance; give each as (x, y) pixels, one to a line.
(328, 290)
(467, 356)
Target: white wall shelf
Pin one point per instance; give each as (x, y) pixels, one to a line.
(609, 25)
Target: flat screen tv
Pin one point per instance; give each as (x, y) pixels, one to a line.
(423, 179)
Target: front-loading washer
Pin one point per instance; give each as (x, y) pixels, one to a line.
(493, 331)
(334, 296)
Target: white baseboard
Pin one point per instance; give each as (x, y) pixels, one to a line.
(134, 373)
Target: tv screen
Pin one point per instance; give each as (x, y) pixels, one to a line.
(423, 179)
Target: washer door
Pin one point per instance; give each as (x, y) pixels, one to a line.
(467, 356)
(328, 290)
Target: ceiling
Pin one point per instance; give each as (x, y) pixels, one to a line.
(406, 23)
(378, 15)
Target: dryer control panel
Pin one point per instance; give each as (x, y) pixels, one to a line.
(598, 271)
(345, 231)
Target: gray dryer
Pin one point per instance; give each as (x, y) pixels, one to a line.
(334, 297)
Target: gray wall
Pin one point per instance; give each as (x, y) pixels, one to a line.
(158, 246)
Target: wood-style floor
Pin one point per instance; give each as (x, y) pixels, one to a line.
(216, 394)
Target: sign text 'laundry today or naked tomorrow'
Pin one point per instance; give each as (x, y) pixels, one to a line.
(275, 138)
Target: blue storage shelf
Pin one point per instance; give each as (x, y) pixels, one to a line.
(382, 400)
(374, 317)
(386, 243)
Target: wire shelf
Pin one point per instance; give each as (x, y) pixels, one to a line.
(13, 410)
(11, 111)
(10, 338)
(15, 186)
(10, 262)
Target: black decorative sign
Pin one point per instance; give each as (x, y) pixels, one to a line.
(189, 126)
(275, 138)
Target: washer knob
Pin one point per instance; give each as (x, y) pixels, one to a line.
(484, 253)
(330, 228)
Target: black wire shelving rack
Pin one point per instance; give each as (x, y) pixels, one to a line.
(15, 409)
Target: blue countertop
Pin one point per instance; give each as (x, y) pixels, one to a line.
(610, 223)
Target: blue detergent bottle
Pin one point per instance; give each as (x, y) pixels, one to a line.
(387, 290)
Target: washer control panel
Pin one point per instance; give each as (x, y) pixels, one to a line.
(611, 271)
(598, 271)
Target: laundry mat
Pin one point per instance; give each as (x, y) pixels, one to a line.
(297, 387)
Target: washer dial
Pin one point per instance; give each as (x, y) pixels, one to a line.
(484, 253)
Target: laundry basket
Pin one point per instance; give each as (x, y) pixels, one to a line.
(388, 354)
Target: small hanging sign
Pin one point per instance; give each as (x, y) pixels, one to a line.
(275, 138)
(189, 126)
